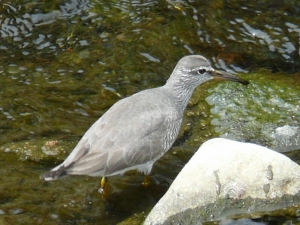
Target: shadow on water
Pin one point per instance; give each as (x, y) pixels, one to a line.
(64, 63)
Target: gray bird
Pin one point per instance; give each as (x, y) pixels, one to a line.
(136, 131)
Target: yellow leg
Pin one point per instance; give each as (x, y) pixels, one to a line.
(102, 185)
(103, 182)
(146, 182)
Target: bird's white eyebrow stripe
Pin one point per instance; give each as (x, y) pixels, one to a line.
(207, 68)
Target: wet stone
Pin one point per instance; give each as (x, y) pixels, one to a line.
(240, 170)
(37, 150)
(16, 211)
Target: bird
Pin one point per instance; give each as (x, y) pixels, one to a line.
(138, 130)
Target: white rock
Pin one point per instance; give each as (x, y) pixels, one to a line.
(226, 169)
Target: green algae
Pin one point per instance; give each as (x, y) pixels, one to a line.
(40, 150)
(253, 113)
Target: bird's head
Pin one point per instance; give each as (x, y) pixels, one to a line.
(194, 70)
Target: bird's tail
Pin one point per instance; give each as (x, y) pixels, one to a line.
(55, 173)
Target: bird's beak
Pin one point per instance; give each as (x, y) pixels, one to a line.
(227, 76)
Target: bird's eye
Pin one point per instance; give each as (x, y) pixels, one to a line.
(201, 71)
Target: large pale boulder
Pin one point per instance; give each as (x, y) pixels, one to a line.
(225, 177)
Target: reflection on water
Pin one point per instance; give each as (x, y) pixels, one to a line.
(24, 27)
(219, 26)
(64, 63)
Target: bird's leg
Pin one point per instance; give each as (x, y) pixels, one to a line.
(103, 182)
(102, 185)
(146, 182)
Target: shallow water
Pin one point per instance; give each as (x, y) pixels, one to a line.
(64, 63)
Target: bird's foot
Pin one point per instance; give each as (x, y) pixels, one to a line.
(101, 190)
(146, 182)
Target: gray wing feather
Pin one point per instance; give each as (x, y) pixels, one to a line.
(130, 133)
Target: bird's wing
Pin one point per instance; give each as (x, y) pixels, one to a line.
(130, 133)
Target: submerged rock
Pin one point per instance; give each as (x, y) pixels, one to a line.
(266, 112)
(38, 150)
(227, 177)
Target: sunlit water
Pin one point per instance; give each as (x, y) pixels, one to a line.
(64, 63)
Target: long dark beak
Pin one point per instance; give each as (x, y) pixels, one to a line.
(227, 76)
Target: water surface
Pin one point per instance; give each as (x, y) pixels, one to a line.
(64, 63)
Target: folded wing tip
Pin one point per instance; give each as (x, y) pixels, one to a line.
(54, 174)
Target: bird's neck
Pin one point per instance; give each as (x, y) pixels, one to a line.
(182, 91)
